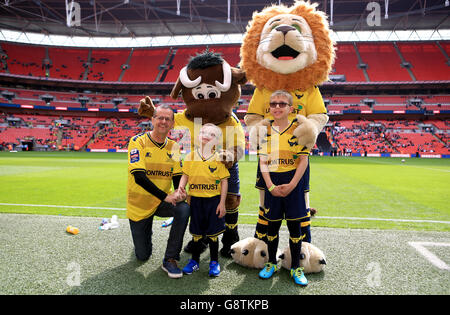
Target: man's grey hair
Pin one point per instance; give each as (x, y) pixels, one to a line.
(283, 93)
(164, 106)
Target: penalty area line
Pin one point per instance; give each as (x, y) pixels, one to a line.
(432, 258)
(244, 214)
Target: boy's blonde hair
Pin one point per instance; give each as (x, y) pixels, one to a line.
(218, 131)
(283, 93)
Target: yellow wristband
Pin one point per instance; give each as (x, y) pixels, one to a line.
(272, 187)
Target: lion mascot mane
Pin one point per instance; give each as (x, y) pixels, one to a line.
(289, 48)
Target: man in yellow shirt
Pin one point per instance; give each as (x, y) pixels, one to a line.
(153, 164)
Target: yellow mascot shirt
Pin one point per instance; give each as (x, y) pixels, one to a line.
(205, 174)
(304, 103)
(232, 131)
(160, 163)
(281, 149)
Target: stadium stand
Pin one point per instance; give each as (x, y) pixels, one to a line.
(68, 63)
(144, 65)
(383, 63)
(427, 61)
(105, 64)
(358, 62)
(347, 63)
(24, 59)
(380, 61)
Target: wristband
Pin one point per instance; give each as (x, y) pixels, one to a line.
(272, 187)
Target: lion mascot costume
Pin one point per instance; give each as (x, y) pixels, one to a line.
(210, 88)
(287, 48)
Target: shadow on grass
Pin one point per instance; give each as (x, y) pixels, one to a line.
(131, 279)
(280, 284)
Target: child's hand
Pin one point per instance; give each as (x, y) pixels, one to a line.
(221, 210)
(181, 194)
(286, 189)
(277, 192)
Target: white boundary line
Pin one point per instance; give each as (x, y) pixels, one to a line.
(245, 214)
(432, 258)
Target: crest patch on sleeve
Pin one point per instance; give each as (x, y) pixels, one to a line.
(134, 156)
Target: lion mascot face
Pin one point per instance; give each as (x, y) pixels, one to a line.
(287, 48)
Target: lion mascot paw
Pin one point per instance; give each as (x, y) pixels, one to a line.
(251, 253)
(312, 259)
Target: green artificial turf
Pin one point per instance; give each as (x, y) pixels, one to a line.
(343, 189)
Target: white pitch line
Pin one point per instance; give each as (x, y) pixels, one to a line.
(432, 258)
(61, 206)
(384, 219)
(244, 214)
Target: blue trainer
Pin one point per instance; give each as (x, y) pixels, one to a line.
(214, 269)
(170, 266)
(268, 271)
(299, 277)
(191, 267)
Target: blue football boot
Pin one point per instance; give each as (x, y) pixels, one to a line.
(214, 269)
(268, 271)
(299, 276)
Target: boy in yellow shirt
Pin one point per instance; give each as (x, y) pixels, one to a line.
(207, 179)
(283, 163)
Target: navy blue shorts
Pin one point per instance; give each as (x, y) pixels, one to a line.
(233, 180)
(291, 207)
(204, 220)
(261, 184)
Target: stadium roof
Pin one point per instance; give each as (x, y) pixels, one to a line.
(135, 18)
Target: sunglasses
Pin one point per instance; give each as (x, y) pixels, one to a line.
(279, 104)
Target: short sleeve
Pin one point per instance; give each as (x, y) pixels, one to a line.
(135, 155)
(223, 171)
(256, 105)
(315, 102)
(186, 168)
(177, 167)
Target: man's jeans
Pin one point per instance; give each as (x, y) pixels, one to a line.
(141, 231)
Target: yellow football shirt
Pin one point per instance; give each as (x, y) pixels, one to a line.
(304, 103)
(160, 163)
(281, 148)
(205, 174)
(232, 131)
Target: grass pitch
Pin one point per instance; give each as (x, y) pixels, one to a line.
(370, 209)
(381, 193)
(39, 257)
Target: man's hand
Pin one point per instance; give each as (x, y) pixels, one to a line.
(172, 198)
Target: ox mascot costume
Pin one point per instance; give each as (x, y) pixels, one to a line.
(210, 88)
(287, 48)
